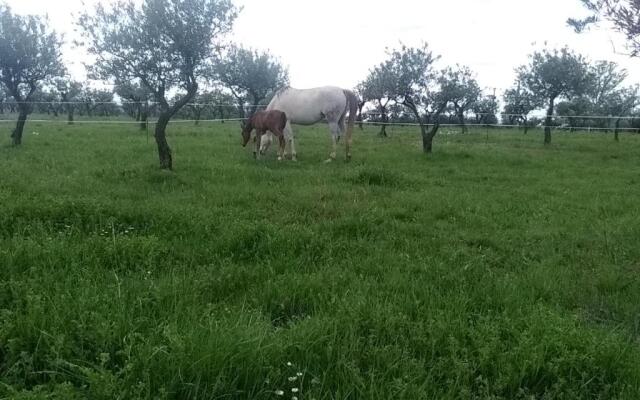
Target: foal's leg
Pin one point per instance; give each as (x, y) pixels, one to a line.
(265, 142)
(258, 151)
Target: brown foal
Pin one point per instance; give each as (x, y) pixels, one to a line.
(273, 121)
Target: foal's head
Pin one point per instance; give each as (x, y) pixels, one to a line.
(247, 127)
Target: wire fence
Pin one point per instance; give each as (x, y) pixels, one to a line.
(146, 112)
(261, 106)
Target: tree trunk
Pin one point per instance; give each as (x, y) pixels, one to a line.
(17, 132)
(548, 121)
(144, 121)
(164, 151)
(427, 135)
(616, 130)
(70, 117)
(360, 120)
(385, 121)
(166, 113)
(427, 140)
(462, 124)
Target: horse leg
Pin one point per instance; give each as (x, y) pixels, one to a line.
(334, 126)
(348, 135)
(288, 132)
(348, 141)
(341, 126)
(283, 144)
(258, 150)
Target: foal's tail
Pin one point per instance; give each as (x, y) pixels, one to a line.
(352, 106)
(283, 121)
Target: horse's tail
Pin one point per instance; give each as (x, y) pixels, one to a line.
(352, 106)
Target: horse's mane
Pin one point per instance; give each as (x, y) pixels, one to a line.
(281, 91)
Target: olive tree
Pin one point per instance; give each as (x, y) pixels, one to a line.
(164, 45)
(619, 103)
(380, 88)
(251, 76)
(623, 14)
(463, 90)
(518, 104)
(485, 110)
(29, 56)
(419, 88)
(69, 92)
(552, 75)
(136, 100)
(362, 101)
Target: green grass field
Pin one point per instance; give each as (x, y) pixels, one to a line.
(493, 269)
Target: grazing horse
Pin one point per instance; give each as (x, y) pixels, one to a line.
(310, 106)
(273, 121)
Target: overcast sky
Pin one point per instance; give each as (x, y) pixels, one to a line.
(336, 42)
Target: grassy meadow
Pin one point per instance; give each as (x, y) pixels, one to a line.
(493, 269)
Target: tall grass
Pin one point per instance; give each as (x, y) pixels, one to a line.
(494, 269)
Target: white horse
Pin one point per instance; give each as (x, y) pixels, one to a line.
(310, 106)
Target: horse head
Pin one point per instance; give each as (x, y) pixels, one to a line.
(246, 132)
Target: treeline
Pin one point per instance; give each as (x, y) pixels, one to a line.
(409, 87)
(171, 59)
(166, 59)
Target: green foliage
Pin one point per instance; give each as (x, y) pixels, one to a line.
(98, 102)
(606, 77)
(575, 110)
(164, 45)
(623, 101)
(552, 74)
(462, 89)
(380, 85)
(211, 104)
(492, 270)
(251, 76)
(623, 14)
(29, 56)
(518, 104)
(486, 110)
(29, 53)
